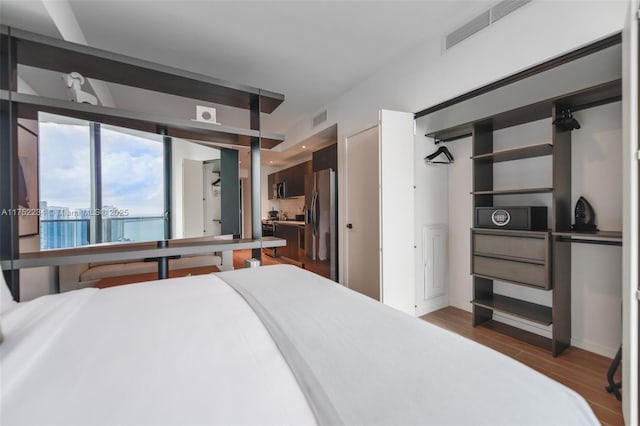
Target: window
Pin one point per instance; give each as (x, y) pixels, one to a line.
(99, 184)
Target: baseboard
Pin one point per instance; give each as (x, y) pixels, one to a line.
(594, 347)
(431, 305)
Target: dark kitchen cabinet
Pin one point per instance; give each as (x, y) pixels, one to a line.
(293, 178)
(326, 158)
(271, 181)
(289, 233)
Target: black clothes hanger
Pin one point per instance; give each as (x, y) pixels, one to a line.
(566, 121)
(429, 159)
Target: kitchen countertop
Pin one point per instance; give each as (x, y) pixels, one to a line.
(289, 222)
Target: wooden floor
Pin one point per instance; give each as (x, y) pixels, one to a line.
(582, 371)
(239, 256)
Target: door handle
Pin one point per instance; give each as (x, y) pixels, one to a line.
(349, 225)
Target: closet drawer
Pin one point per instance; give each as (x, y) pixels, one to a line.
(537, 275)
(510, 246)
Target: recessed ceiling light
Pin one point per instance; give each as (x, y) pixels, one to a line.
(270, 162)
(304, 146)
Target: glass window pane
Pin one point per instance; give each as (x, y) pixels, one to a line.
(132, 186)
(130, 167)
(64, 179)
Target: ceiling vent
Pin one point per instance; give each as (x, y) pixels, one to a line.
(319, 119)
(505, 7)
(487, 18)
(467, 30)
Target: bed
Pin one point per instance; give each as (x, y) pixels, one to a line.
(269, 345)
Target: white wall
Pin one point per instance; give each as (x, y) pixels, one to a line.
(181, 150)
(431, 210)
(424, 76)
(596, 270)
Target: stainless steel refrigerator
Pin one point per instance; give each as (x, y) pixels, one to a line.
(320, 237)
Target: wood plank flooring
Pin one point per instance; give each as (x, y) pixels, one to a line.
(580, 370)
(239, 256)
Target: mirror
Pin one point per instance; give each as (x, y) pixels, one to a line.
(105, 184)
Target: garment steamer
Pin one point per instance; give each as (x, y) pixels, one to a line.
(585, 217)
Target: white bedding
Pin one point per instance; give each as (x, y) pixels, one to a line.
(191, 351)
(182, 351)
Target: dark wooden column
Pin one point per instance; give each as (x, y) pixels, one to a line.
(561, 217)
(256, 206)
(168, 190)
(9, 241)
(95, 152)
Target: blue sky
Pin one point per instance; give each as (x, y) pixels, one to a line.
(132, 169)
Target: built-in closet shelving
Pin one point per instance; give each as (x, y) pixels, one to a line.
(539, 260)
(22, 48)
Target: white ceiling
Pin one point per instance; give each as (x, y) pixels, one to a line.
(311, 51)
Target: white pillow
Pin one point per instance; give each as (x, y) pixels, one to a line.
(6, 299)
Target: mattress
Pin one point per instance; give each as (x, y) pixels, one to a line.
(270, 345)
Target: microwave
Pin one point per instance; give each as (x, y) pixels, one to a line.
(279, 190)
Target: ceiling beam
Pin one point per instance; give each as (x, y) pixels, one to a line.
(65, 20)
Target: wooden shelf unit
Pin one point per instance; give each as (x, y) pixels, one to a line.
(599, 237)
(514, 191)
(516, 307)
(23, 48)
(551, 273)
(53, 54)
(28, 107)
(529, 151)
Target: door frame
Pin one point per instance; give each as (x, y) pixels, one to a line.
(631, 225)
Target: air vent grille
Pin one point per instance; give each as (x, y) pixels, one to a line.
(319, 119)
(505, 7)
(467, 30)
(487, 18)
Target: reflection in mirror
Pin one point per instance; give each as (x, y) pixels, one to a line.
(98, 183)
(195, 200)
(104, 184)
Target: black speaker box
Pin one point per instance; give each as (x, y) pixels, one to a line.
(521, 218)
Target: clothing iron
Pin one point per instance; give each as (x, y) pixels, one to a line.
(585, 217)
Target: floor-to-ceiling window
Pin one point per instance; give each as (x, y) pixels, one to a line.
(98, 183)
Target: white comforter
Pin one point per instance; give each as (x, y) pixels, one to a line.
(182, 351)
(192, 351)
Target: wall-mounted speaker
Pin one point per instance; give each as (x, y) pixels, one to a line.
(206, 114)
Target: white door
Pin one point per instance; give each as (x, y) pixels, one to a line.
(362, 213)
(397, 203)
(192, 187)
(631, 240)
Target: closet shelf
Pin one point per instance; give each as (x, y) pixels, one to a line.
(529, 151)
(514, 191)
(600, 237)
(30, 105)
(530, 311)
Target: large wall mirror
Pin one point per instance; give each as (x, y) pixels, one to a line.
(89, 183)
